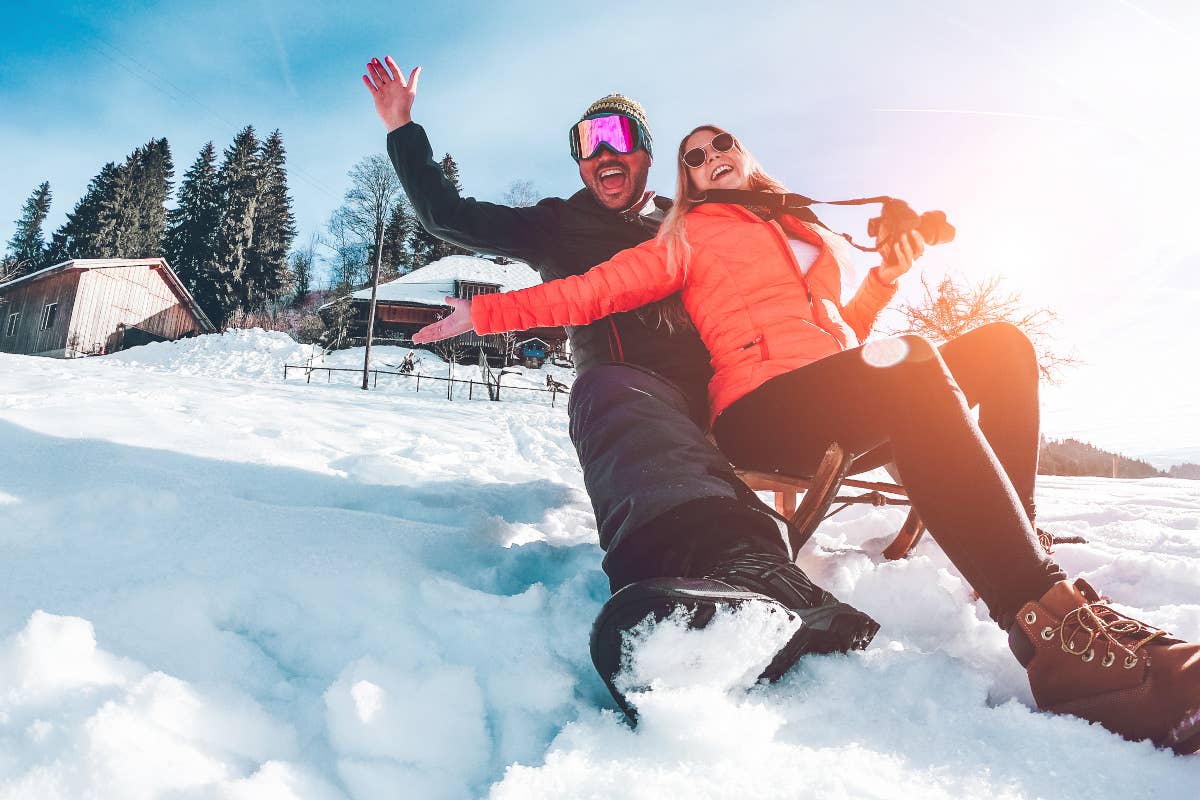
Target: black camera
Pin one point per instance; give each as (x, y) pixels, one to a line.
(897, 218)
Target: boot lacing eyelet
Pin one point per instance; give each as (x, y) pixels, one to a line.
(1099, 622)
(1030, 618)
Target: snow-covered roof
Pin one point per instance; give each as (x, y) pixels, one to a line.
(430, 284)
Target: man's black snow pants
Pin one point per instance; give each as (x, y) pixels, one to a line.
(660, 489)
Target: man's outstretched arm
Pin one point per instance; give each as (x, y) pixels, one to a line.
(485, 227)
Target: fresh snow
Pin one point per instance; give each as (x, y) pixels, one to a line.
(219, 584)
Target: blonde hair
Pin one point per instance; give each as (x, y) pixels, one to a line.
(673, 231)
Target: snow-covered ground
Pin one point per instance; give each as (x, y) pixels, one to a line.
(217, 584)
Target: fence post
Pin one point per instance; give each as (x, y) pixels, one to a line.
(418, 381)
(376, 378)
(471, 390)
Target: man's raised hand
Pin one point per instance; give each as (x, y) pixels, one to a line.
(392, 94)
(458, 322)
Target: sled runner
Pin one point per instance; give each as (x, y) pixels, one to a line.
(821, 491)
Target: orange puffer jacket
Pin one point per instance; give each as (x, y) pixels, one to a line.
(759, 315)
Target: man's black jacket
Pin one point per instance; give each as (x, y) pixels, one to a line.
(557, 238)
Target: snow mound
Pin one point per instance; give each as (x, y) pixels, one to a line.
(240, 354)
(74, 718)
(254, 588)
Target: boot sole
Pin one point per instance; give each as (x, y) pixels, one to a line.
(825, 630)
(838, 628)
(1187, 747)
(1191, 744)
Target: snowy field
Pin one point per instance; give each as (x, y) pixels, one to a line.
(218, 584)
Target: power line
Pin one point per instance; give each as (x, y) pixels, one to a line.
(179, 95)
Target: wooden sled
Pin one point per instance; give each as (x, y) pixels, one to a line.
(822, 490)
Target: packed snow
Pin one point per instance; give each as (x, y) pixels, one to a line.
(221, 584)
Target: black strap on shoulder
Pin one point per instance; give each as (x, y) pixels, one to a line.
(796, 205)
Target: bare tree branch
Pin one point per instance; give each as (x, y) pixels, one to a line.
(522, 193)
(956, 306)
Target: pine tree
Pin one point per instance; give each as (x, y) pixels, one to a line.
(190, 236)
(268, 275)
(426, 247)
(133, 215)
(237, 184)
(450, 170)
(153, 170)
(397, 247)
(26, 248)
(80, 236)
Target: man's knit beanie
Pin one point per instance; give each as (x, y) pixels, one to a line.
(620, 104)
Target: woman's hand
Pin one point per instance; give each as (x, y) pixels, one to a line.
(392, 94)
(907, 249)
(458, 322)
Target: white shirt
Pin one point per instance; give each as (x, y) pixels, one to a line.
(806, 254)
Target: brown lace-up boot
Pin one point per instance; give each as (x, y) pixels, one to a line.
(1090, 661)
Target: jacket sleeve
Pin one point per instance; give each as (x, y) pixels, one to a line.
(632, 278)
(518, 233)
(871, 298)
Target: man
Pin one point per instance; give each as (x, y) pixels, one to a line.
(678, 527)
(667, 502)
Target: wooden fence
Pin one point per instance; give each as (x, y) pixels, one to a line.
(476, 390)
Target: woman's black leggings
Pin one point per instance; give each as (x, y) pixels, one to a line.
(972, 483)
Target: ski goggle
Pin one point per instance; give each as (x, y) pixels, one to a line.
(617, 132)
(721, 143)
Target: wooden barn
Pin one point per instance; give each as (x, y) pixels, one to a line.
(96, 305)
(412, 301)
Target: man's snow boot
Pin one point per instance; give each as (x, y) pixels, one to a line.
(828, 626)
(1090, 661)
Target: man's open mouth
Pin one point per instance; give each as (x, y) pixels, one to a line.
(611, 177)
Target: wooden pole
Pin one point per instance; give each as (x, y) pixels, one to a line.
(371, 310)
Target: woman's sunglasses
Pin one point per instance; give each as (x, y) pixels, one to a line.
(721, 143)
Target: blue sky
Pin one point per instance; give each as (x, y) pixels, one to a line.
(1058, 136)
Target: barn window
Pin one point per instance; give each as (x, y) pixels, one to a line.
(49, 312)
(13, 320)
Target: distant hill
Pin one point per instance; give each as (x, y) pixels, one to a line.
(1165, 458)
(1073, 457)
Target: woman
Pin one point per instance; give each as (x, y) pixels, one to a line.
(791, 376)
